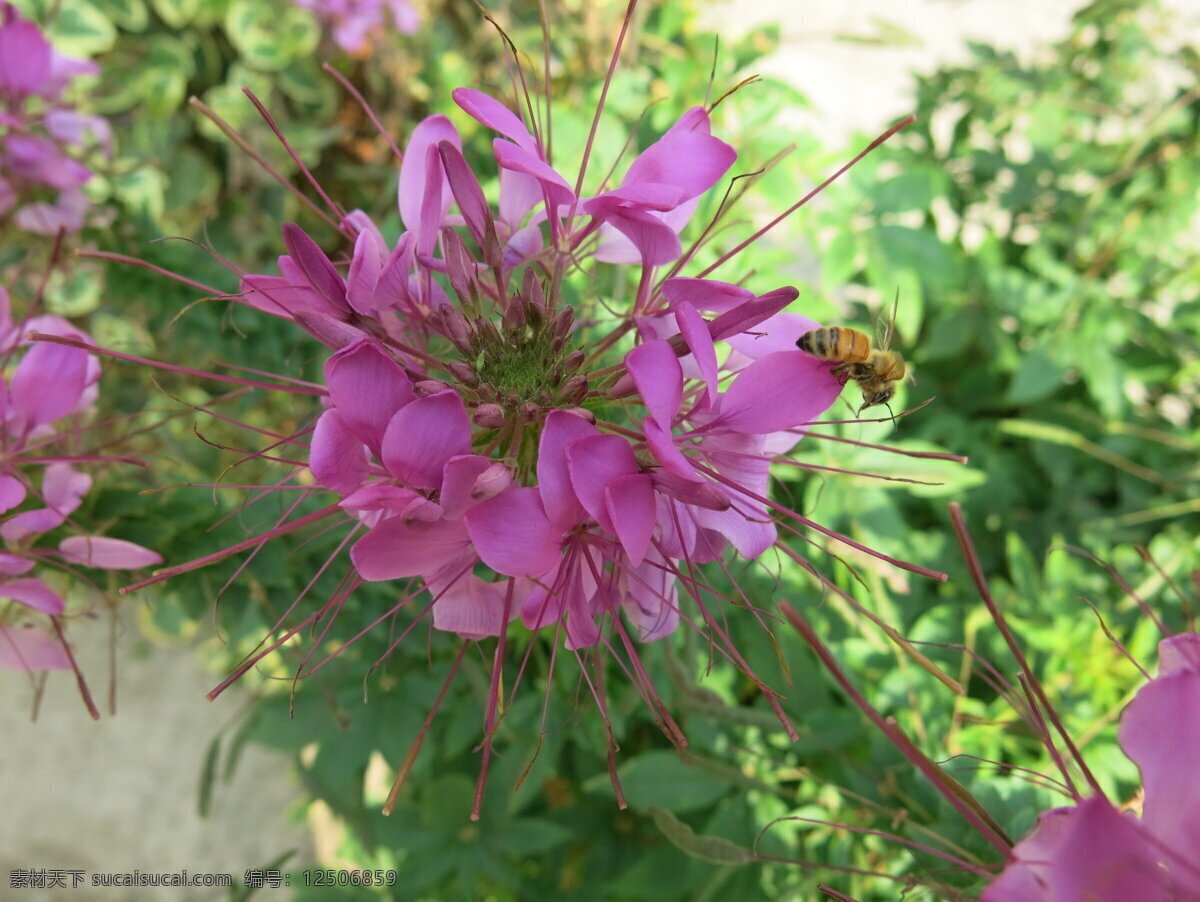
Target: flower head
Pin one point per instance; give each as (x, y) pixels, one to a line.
(517, 435)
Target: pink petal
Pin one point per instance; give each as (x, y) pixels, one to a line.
(320, 273)
(367, 387)
(656, 372)
(48, 383)
(694, 330)
(280, 296)
(12, 492)
(370, 255)
(397, 548)
(468, 479)
(592, 462)
(433, 205)
(705, 294)
(666, 452)
(391, 289)
(519, 193)
(107, 554)
(780, 391)
(554, 481)
(510, 156)
(656, 241)
(745, 525)
(415, 172)
(425, 434)
(468, 194)
(25, 58)
(748, 315)
(495, 115)
(629, 501)
(696, 494)
(1179, 653)
(468, 605)
(395, 500)
(689, 159)
(62, 489)
(14, 565)
(778, 333)
(1160, 731)
(337, 457)
(567, 594)
(1105, 857)
(28, 648)
(33, 593)
(1025, 877)
(513, 535)
(651, 600)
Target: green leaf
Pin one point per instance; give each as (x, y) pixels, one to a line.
(946, 477)
(80, 29)
(1037, 377)
(1022, 568)
(533, 836)
(128, 15)
(269, 38)
(913, 189)
(76, 292)
(713, 849)
(142, 192)
(661, 779)
(176, 13)
(837, 262)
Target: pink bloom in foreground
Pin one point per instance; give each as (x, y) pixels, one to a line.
(1092, 851)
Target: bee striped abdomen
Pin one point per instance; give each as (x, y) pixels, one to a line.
(836, 343)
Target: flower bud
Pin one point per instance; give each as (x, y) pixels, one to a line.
(573, 361)
(463, 372)
(427, 387)
(488, 416)
(575, 389)
(491, 482)
(456, 328)
(583, 413)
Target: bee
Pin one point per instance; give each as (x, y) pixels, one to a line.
(875, 370)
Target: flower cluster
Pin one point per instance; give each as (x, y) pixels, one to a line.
(1093, 850)
(478, 428)
(530, 411)
(354, 23)
(41, 181)
(43, 405)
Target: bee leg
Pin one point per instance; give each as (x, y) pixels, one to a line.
(841, 372)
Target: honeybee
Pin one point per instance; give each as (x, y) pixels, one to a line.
(876, 370)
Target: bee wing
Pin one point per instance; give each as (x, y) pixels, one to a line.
(885, 330)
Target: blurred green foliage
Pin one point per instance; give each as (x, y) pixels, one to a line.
(1037, 221)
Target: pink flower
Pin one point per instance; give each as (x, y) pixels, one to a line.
(49, 392)
(39, 144)
(507, 440)
(355, 23)
(1092, 850)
